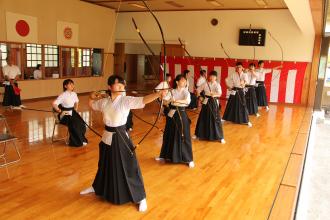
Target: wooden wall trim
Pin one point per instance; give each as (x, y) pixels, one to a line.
(304, 93)
(318, 13)
(314, 71)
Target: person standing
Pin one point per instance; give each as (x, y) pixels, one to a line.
(118, 178)
(209, 126)
(12, 93)
(177, 146)
(236, 110)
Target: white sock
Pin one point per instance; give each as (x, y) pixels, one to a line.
(143, 205)
(191, 164)
(249, 124)
(194, 137)
(222, 141)
(84, 143)
(258, 115)
(87, 191)
(159, 159)
(267, 108)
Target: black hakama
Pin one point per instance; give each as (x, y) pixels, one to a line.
(129, 122)
(177, 146)
(209, 125)
(236, 110)
(194, 101)
(10, 98)
(76, 126)
(118, 178)
(261, 94)
(251, 100)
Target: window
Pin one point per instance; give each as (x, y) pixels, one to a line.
(51, 59)
(51, 56)
(55, 61)
(97, 61)
(72, 57)
(33, 55)
(84, 57)
(3, 54)
(84, 62)
(68, 61)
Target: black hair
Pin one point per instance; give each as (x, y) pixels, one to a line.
(185, 72)
(112, 80)
(38, 66)
(252, 64)
(202, 72)
(239, 63)
(177, 79)
(168, 75)
(67, 82)
(260, 62)
(213, 73)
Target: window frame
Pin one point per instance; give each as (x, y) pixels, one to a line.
(46, 58)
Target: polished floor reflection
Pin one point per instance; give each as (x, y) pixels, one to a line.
(236, 180)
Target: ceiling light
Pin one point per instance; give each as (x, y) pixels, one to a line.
(215, 3)
(174, 4)
(262, 3)
(137, 5)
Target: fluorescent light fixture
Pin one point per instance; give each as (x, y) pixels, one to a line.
(174, 4)
(215, 3)
(137, 5)
(261, 3)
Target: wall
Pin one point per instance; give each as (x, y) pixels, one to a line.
(140, 48)
(96, 29)
(203, 40)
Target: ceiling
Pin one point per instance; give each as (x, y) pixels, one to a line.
(188, 5)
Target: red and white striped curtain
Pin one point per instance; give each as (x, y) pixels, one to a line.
(283, 85)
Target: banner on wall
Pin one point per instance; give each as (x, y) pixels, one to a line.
(21, 28)
(283, 85)
(67, 33)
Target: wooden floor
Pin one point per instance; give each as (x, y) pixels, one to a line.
(236, 180)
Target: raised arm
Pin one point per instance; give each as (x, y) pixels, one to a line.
(278, 67)
(95, 96)
(151, 97)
